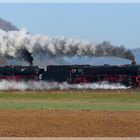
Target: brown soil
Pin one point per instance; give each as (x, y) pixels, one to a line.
(69, 123)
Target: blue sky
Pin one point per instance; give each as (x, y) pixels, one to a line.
(117, 23)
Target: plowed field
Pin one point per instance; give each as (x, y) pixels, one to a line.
(69, 123)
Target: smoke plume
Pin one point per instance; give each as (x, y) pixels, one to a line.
(24, 46)
(25, 55)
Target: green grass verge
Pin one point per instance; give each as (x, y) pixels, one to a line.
(124, 100)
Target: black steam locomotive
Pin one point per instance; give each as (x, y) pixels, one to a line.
(128, 75)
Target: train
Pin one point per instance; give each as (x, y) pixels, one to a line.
(128, 75)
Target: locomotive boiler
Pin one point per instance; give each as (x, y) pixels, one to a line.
(18, 73)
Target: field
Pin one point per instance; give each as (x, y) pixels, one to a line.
(70, 113)
(71, 100)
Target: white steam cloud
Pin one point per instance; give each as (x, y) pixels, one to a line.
(40, 85)
(24, 46)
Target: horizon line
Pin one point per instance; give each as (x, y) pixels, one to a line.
(70, 1)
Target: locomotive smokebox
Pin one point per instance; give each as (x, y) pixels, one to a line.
(133, 62)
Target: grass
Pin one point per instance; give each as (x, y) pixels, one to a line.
(124, 100)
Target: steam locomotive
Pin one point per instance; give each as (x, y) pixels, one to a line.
(128, 75)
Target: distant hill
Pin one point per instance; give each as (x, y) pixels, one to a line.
(7, 26)
(137, 49)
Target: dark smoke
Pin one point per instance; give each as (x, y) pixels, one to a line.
(106, 49)
(25, 55)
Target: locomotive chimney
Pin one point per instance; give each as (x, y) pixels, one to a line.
(133, 62)
(31, 64)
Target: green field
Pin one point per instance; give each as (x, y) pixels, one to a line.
(125, 100)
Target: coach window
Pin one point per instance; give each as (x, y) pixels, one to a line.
(65, 69)
(53, 69)
(58, 69)
(61, 69)
(80, 70)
